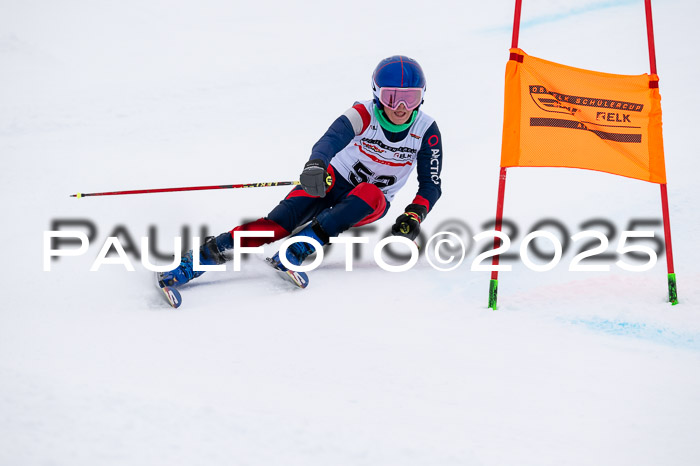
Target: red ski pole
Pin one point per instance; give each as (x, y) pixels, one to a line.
(189, 188)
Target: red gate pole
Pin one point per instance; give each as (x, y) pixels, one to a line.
(516, 24)
(493, 285)
(672, 293)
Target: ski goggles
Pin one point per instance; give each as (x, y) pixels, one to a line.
(392, 97)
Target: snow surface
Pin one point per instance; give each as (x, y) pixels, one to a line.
(363, 367)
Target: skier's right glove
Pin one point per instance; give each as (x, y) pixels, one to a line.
(408, 223)
(315, 178)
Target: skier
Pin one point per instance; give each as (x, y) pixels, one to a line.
(354, 171)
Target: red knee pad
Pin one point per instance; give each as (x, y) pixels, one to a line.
(374, 197)
(369, 193)
(261, 224)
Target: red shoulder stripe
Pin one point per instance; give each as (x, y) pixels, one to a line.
(364, 114)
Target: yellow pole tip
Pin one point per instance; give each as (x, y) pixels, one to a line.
(78, 195)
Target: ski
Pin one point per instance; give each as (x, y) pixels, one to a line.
(171, 294)
(299, 279)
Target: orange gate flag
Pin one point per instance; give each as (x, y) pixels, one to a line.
(559, 116)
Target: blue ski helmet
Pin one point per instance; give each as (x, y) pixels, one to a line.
(397, 71)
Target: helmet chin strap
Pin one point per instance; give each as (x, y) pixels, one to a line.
(388, 125)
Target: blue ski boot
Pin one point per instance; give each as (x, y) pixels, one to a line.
(209, 254)
(297, 252)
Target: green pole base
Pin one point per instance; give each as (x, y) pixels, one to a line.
(493, 294)
(672, 292)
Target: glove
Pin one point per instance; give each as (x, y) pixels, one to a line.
(315, 179)
(408, 223)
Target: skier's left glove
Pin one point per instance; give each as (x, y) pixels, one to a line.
(315, 179)
(408, 223)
